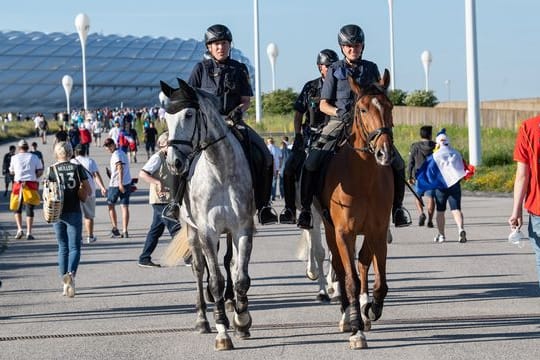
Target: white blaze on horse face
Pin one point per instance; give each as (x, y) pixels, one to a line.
(181, 127)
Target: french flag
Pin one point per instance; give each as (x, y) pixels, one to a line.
(441, 170)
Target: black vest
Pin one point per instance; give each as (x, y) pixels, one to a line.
(223, 80)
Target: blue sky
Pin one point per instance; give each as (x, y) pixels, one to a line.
(508, 35)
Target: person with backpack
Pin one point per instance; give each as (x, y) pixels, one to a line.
(43, 126)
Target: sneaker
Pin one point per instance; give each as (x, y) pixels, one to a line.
(69, 285)
(401, 217)
(287, 216)
(30, 237)
(148, 264)
(115, 233)
(430, 224)
(422, 220)
(91, 239)
(267, 216)
(188, 260)
(304, 220)
(439, 238)
(19, 235)
(124, 235)
(462, 236)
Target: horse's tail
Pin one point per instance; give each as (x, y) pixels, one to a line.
(302, 247)
(177, 249)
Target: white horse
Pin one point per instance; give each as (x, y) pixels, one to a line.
(218, 200)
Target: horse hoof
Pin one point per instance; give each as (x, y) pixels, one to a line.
(224, 343)
(367, 324)
(358, 341)
(203, 327)
(230, 306)
(323, 298)
(242, 334)
(374, 311)
(312, 276)
(345, 326)
(335, 299)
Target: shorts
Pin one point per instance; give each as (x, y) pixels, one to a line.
(430, 193)
(88, 207)
(114, 194)
(452, 195)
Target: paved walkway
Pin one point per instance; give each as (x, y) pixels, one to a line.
(446, 301)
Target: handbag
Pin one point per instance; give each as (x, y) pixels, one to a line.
(53, 197)
(82, 193)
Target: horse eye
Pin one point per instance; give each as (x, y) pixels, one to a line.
(363, 110)
(189, 113)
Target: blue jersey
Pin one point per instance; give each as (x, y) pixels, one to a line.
(336, 89)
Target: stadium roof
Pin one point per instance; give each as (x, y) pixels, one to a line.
(119, 69)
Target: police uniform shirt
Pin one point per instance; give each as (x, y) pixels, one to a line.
(308, 103)
(229, 80)
(336, 88)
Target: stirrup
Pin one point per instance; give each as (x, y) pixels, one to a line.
(267, 216)
(305, 220)
(287, 216)
(170, 210)
(402, 217)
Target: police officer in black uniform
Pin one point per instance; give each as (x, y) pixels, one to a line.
(229, 80)
(337, 101)
(307, 103)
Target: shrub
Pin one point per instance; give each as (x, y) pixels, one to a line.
(421, 98)
(397, 97)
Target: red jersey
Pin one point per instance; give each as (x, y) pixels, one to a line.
(527, 151)
(86, 137)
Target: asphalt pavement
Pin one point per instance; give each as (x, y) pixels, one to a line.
(446, 300)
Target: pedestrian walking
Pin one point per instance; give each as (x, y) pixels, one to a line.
(527, 183)
(8, 178)
(68, 229)
(157, 174)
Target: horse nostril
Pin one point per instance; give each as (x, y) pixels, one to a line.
(178, 164)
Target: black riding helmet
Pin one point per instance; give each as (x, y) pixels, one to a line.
(350, 35)
(217, 32)
(326, 57)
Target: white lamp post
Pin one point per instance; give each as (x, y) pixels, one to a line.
(447, 83)
(392, 74)
(82, 24)
(272, 52)
(426, 61)
(67, 83)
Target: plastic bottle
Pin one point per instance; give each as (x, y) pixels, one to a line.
(517, 238)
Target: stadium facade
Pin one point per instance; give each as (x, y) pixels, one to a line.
(120, 70)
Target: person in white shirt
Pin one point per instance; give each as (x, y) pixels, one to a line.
(26, 168)
(88, 207)
(119, 187)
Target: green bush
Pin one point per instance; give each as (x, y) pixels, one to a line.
(397, 97)
(279, 102)
(421, 98)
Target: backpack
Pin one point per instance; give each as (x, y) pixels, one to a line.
(53, 197)
(42, 124)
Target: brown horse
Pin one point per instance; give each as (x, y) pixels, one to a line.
(358, 193)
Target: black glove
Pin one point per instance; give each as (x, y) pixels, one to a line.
(298, 144)
(236, 114)
(346, 118)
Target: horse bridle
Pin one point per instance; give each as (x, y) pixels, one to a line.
(200, 146)
(371, 137)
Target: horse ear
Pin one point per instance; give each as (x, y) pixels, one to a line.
(385, 81)
(167, 90)
(354, 86)
(186, 90)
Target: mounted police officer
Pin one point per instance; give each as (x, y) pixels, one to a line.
(337, 101)
(228, 79)
(307, 103)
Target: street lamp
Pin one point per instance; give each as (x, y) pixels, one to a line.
(447, 83)
(392, 74)
(82, 24)
(426, 61)
(272, 52)
(67, 83)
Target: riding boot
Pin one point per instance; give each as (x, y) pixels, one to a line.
(177, 187)
(288, 215)
(400, 215)
(266, 214)
(307, 191)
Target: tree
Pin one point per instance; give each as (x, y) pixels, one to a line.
(397, 97)
(421, 98)
(279, 102)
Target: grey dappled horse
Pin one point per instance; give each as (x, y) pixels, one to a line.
(218, 200)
